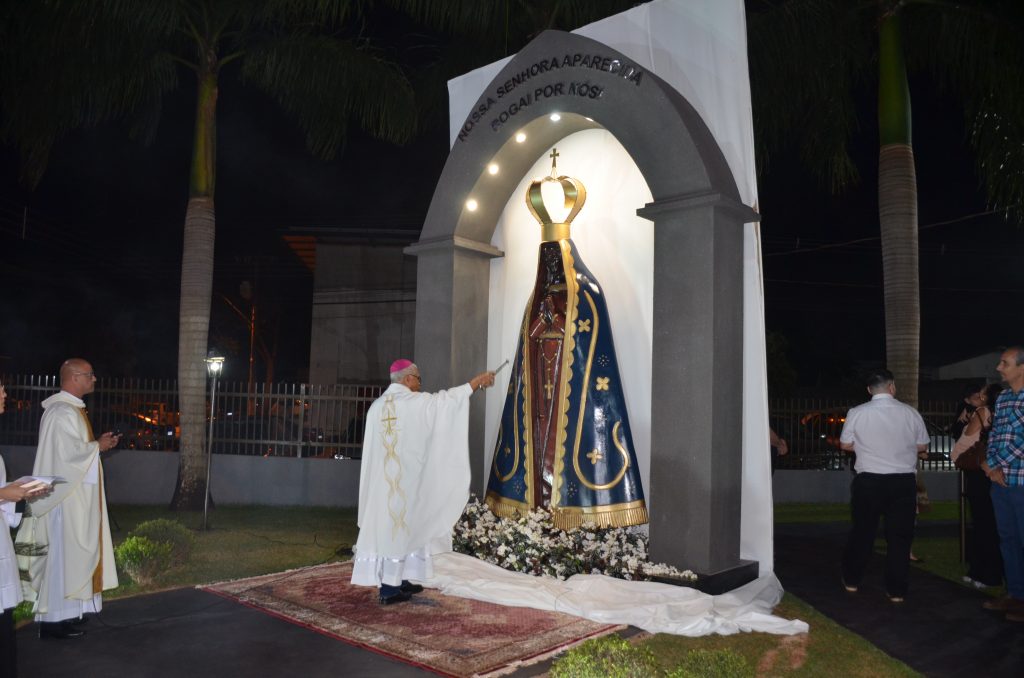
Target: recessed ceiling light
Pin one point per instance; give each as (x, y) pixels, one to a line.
(555, 117)
(492, 168)
(520, 137)
(471, 205)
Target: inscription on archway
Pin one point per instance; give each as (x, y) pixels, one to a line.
(514, 95)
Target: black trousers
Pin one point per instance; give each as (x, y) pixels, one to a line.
(984, 561)
(8, 651)
(892, 496)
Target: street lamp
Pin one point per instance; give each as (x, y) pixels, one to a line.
(214, 364)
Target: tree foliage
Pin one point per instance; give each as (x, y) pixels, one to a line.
(69, 65)
(811, 59)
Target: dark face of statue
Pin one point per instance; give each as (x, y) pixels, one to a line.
(551, 259)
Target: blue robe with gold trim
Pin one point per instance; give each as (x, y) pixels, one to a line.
(596, 478)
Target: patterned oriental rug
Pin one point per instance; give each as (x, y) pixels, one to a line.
(444, 634)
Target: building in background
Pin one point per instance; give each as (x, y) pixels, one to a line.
(364, 300)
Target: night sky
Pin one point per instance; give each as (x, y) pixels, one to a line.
(97, 272)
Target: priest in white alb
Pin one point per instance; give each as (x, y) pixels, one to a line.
(64, 540)
(414, 481)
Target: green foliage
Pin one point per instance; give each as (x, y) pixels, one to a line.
(606, 657)
(143, 559)
(163, 531)
(23, 612)
(614, 657)
(712, 664)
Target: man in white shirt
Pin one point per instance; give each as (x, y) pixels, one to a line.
(68, 532)
(413, 482)
(887, 436)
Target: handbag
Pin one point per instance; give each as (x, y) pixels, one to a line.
(973, 457)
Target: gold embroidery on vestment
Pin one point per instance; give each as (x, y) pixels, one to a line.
(394, 480)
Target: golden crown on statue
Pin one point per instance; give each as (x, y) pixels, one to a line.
(574, 195)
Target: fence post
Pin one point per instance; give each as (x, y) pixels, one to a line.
(302, 417)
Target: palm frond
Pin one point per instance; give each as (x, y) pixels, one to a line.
(64, 69)
(807, 60)
(325, 83)
(974, 52)
(313, 12)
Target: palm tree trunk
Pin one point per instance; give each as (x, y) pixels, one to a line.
(897, 213)
(196, 294)
(194, 324)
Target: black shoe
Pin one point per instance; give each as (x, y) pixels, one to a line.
(59, 630)
(78, 621)
(399, 597)
(409, 587)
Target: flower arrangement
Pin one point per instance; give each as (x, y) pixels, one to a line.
(532, 544)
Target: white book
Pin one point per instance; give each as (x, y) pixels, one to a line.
(37, 482)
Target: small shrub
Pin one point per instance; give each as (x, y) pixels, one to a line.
(23, 612)
(143, 559)
(170, 532)
(606, 657)
(712, 664)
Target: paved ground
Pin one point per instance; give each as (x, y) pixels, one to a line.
(941, 630)
(187, 632)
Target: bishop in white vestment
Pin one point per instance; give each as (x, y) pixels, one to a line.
(68, 551)
(413, 482)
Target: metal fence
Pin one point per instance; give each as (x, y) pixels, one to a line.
(286, 420)
(327, 421)
(811, 428)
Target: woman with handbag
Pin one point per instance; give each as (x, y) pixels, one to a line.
(984, 562)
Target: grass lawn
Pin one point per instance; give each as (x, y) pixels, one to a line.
(244, 541)
(828, 650)
(941, 511)
(248, 541)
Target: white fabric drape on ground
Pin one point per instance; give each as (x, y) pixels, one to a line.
(653, 607)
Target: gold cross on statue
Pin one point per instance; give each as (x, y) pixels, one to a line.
(549, 388)
(595, 456)
(554, 160)
(602, 383)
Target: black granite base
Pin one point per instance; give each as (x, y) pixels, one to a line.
(718, 582)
